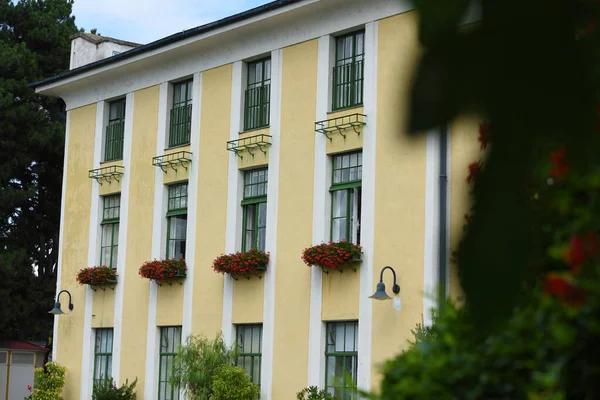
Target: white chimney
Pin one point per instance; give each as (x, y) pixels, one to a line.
(87, 48)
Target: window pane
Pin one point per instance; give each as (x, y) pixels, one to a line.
(340, 199)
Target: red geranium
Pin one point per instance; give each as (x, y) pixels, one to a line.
(162, 269)
(332, 255)
(558, 158)
(96, 275)
(581, 247)
(241, 263)
(565, 289)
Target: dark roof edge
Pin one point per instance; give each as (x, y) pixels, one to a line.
(97, 39)
(274, 5)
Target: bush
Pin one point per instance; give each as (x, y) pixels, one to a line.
(233, 383)
(49, 382)
(108, 390)
(195, 365)
(313, 393)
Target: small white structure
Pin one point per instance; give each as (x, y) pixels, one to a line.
(18, 359)
(87, 48)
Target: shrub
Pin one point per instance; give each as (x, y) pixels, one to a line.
(49, 382)
(108, 390)
(233, 383)
(162, 269)
(332, 255)
(96, 275)
(241, 263)
(313, 393)
(196, 364)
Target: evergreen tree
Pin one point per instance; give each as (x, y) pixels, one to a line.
(34, 44)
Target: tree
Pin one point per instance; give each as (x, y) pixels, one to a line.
(34, 44)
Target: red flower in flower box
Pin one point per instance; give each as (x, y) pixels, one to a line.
(242, 263)
(332, 255)
(97, 276)
(161, 270)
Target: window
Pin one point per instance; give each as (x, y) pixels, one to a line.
(258, 95)
(103, 355)
(255, 209)
(348, 73)
(3, 357)
(341, 359)
(181, 114)
(109, 248)
(177, 221)
(346, 197)
(22, 358)
(249, 340)
(170, 339)
(115, 131)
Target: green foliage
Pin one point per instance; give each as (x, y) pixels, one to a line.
(233, 383)
(422, 332)
(34, 44)
(49, 382)
(195, 365)
(313, 393)
(108, 390)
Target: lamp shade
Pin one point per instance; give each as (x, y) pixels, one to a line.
(56, 310)
(380, 294)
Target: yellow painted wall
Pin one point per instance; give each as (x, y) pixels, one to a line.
(292, 280)
(464, 148)
(207, 312)
(112, 186)
(400, 179)
(260, 158)
(103, 308)
(248, 300)
(74, 248)
(353, 139)
(139, 236)
(341, 294)
(169, 305)
(177, 173)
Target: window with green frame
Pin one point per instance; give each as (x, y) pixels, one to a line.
(109, 242)
(341, 359)
(249, 341)
(170, 339)
(346, 196)
(255, 209)
(177, 221)
(258, 95)
(103, 354)
(115, 131)
(348, 73)
(181, 114)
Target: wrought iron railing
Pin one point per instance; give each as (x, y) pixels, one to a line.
(113, 148)
(258, 107)
(348, 85)
(181, 125)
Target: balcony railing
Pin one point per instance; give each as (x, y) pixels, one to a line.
(348, 85)
(113, 149)
(258, 107)
(181, 125)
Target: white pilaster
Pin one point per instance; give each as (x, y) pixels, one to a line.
(123, 228)
(432, 199)
(271, 234)
(365, 310)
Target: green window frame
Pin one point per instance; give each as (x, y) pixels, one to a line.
(258, 95)
(249, 341)
(349, 71)
(177, 221)
(103, 346)
(346, 197)
(254, 226)
(181, 114)
(115, 131)
(341, 359)
(170, 339)
(109, 241)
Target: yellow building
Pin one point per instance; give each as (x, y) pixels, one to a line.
(277, 128)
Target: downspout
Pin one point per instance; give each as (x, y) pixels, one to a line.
(443, 218)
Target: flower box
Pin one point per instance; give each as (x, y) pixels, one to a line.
(333, 256)
(97, 276)
(164, 270)
(251, 262)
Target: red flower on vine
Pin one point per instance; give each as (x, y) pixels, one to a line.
(558, 158)
(474, 169)
(565, 290)
(484, 134)
(581, 247)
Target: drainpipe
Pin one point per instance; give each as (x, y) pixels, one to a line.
(443, 218)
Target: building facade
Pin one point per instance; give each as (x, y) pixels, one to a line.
(275, 129)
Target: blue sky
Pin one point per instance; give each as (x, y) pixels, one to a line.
(144, 21)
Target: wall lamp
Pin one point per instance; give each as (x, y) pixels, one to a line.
(56, 310)
(380, 293)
